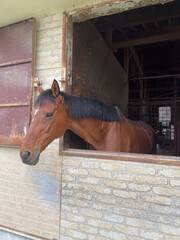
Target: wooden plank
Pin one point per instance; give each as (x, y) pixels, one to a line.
(137, 60)
(157, 76)
(126, 61)
(148, 37)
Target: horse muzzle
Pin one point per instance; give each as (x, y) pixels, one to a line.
(29, 158)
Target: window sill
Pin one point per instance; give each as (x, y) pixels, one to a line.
(119, 156)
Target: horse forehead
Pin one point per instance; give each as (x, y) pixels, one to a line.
(44, 108)
(48, 107)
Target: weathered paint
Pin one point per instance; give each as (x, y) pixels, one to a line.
(14, 120)
(110, 7)
(67, 44)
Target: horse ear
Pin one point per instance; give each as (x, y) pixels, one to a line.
(39, 88)
(55, 88)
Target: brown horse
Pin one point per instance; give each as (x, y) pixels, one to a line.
(103, 127)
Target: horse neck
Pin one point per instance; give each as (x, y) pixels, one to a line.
(91, 130)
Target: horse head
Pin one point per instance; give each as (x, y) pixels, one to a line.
(49, 121)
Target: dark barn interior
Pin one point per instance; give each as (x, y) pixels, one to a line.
(146, 44)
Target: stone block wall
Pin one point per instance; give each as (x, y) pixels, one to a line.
(104, 200)
(49, 49)
(30, 196)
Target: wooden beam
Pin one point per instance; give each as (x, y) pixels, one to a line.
(108, 38)
(137, 61)
(165, 70)
(139, 16)
(126, 61)
(169, 33)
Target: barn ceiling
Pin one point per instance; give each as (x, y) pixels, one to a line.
(158, 23)
(150, 33)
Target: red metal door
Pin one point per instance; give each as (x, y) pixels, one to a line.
(16, 73)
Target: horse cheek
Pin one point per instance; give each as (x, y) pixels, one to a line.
(61, 124)
(59, 129)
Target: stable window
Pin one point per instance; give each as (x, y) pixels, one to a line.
(140, 46)
(16, 70)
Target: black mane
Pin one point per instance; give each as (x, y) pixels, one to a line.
(45, 96)
(81, 107)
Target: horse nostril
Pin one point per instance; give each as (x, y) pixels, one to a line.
(26, 156)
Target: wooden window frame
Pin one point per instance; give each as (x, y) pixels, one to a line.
(66, 81)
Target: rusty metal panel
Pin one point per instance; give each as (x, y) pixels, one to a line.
(16, 71)
(16, 40)
(67, 45)
(15, 83)
(96, 71)
(15, 123)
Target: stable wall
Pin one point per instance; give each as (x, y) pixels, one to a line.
(106, 199)
(30, 196)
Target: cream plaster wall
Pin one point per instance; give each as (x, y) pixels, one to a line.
(15, 10)
(116, 200)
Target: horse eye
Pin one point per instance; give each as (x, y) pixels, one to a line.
(49, 114)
